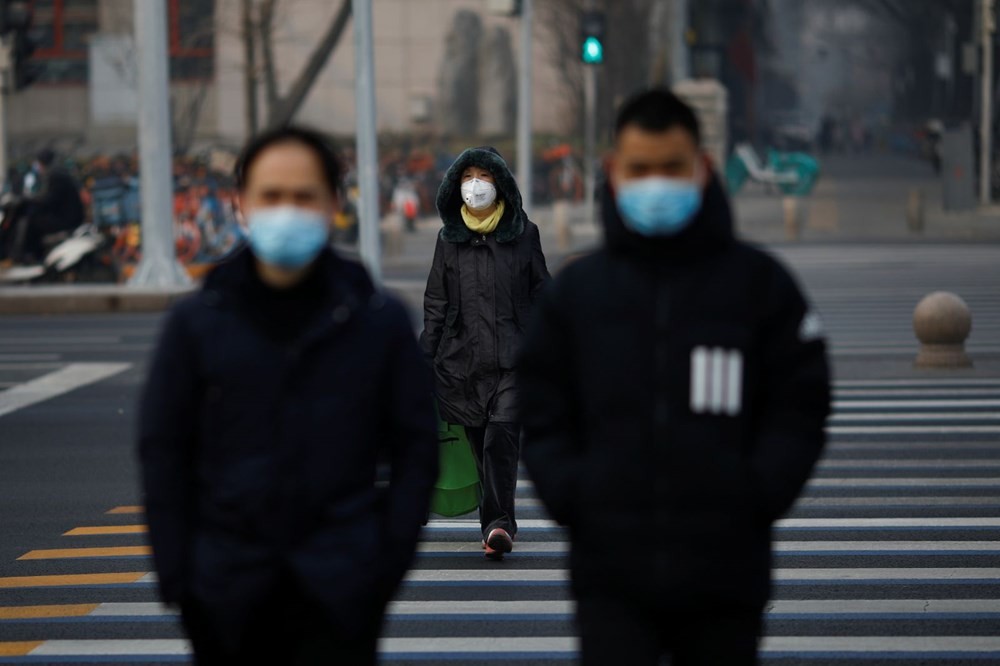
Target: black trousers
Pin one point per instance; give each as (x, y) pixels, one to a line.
(286, 628)
(614, 631)
(497, 448)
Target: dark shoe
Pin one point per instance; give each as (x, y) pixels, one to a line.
(498, 544)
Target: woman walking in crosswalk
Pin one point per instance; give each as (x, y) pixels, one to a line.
(488, 270)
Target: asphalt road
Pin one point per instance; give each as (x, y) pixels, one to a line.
(891, 557)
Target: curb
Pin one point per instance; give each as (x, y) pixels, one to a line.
(89, 300)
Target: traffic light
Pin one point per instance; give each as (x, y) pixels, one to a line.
(15, 15)
(23, 71)
(592, 28)
(15, 28)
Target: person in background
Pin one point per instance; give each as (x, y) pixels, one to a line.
(674, 391)
(487, 273)
(51, 206)
(272, 396)
(406, 203)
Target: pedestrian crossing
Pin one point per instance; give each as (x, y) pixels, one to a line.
(866, 294)
(891, 556)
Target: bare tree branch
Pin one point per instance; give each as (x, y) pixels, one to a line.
(285, 108)
(250, 73)
(185, 120)
(267, 52)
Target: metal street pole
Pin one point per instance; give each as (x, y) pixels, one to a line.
(159, 266)
(986, 119)
(524, 153)
(364, 98)
(590, 141)
(680, 65)
(6, 83)
(250, 68)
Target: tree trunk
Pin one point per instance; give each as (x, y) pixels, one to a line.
(286, 108)
(267, 53)
(250, 73)
(185, 118)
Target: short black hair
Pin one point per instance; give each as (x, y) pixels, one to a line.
(46, 157)
(310, 138)
(657, 110)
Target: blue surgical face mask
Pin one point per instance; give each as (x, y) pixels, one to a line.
(658, 207)
(287, 236)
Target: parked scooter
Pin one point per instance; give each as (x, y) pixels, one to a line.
(79, 256)
(792, 173)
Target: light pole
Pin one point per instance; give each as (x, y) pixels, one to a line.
(592, 31)
(159, 266)
(364, 97)
(680, 66)
(988, 24)
(524, 153)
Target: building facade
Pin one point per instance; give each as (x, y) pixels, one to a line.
(85, 101)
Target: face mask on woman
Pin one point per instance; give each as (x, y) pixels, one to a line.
(287, 236)
(478, 194)
(657, 206)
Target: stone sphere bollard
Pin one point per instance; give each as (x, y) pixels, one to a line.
(942, 323)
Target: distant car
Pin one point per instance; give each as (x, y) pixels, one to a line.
(792, 132)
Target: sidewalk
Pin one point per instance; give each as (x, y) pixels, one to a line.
(859, 199)
(864, 199)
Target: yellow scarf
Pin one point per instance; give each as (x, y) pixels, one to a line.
(486, 226)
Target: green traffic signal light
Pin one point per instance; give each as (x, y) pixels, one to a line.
(593, 51)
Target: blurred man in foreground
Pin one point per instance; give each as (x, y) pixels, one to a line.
(271, 397)
(674, 394)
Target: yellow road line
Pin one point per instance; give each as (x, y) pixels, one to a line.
(107, 529)
(33, 612)
(68, 553)
(70, 579)
(126, 510)
(18, 649)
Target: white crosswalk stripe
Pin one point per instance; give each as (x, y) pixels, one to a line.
(891, 556)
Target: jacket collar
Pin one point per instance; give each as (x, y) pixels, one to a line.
(710, 231)
(346, 290)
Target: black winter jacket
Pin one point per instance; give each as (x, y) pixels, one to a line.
(479, 296)
(674, 395)
(59, 206)
(259, 442)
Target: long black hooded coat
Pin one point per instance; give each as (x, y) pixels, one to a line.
(674, 394)
(259, 450)
(480, 291)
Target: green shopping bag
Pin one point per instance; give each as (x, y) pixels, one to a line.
(456, 491)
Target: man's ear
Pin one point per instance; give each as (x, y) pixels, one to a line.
(238, 210)
(704, 169)
(610, 168)
(337, 207)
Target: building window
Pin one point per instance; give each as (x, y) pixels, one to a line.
(63, 29)
(191, 39)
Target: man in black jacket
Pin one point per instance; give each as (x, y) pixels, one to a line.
(272, 397)
(674, 394)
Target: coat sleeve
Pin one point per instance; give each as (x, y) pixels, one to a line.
(548, 404)
(412, 443)
(435, 303)
(167, 442)
(795, 400)
(539, 271)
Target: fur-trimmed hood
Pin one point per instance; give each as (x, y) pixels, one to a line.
(449, 198)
